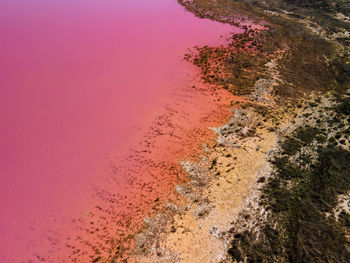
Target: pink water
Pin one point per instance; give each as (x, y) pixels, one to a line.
(79, 80)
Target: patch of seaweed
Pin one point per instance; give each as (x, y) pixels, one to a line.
(234, 67)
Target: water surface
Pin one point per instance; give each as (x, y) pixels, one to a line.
(79, 80)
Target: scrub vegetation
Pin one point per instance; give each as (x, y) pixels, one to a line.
(304, 222)
(313, 58)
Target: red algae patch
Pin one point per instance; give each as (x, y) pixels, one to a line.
(144, 183)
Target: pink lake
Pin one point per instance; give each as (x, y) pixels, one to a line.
(81, 83)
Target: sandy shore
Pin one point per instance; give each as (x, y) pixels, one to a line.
(220, 184)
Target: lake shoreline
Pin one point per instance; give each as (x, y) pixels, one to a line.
(238, 201)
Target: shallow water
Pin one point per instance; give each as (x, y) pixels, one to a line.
(82, 82)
